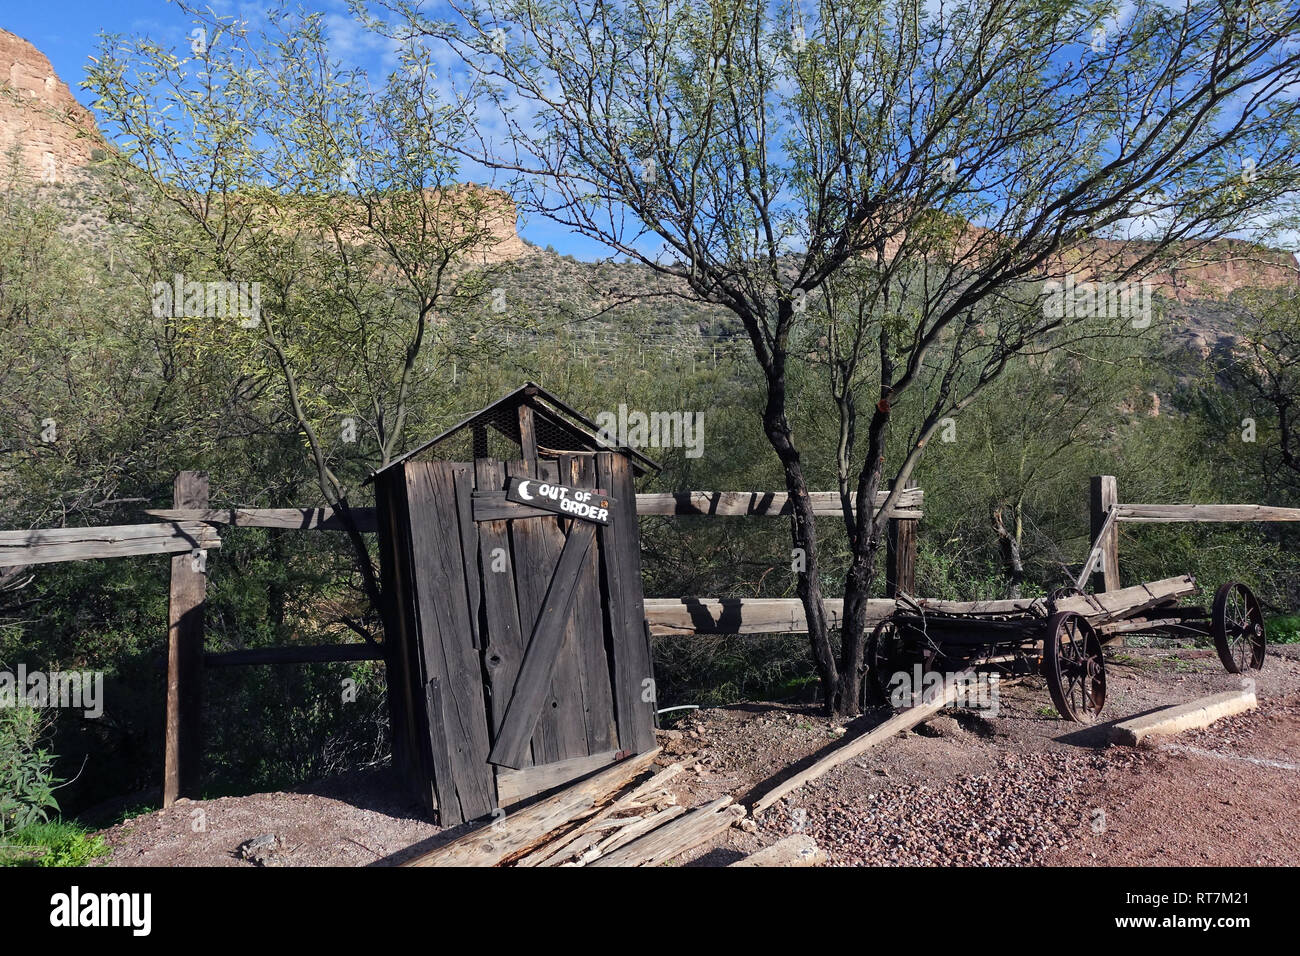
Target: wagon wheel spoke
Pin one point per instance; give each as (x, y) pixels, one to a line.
(1242, 646)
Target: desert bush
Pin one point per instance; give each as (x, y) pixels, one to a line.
(27, 778)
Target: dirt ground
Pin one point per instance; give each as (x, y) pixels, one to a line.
(1018, 788)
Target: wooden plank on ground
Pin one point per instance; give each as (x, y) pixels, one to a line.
(517, 832)
(514, 786)
(586, 834)
(677, 837)
(798, 849)
(630, 831)
(533, 683)
(849, 749)
(49, 545)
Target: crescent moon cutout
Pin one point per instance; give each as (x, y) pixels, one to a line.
(523, 491)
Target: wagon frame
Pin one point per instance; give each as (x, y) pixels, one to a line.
(1061, 636)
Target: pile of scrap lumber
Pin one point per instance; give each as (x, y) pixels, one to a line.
(622, 816)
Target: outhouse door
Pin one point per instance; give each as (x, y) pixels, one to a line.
(532, 650)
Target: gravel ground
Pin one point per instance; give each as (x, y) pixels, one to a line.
(1014, 817)
(1019, 788)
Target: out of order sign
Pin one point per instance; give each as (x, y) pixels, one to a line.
(584, 503)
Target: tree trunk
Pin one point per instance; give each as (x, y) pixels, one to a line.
(803, 534)
(862, 572)
(1009, 544)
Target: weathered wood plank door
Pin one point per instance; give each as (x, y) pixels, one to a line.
(526, 630)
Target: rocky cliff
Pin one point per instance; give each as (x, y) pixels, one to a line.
(41, 122)
(54, 136)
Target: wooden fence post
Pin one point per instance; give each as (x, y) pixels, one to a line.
(1103, 495)
(900, 555)
(189, 586)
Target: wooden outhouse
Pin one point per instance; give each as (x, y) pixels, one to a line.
(517, 652)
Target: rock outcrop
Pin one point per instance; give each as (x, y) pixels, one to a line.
(1212, 270)
(55, 136)
(52, 133)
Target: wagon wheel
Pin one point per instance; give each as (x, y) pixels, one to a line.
(1074, 667)
(883, 647)
(1237, 625)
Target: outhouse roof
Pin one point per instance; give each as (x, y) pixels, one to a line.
(558, 427)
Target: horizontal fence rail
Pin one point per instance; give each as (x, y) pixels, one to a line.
(1107, 512)
(297, 654)
(289, 519)
(678, 616)
(765, 503)
(48, 545)
(723, 504)
(683, 616)
(1165, 514)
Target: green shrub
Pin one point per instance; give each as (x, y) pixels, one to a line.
(1284, 630)
(27, 779)
(56, 843)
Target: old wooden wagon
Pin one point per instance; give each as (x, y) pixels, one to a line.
(518, 655)
(1061, 636)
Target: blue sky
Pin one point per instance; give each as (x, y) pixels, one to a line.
(66, 31)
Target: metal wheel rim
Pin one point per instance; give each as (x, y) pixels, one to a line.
(1079, 669)
(1239, 628)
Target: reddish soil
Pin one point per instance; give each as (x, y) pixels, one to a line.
(1019, 788)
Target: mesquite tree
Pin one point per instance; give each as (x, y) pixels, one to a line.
(896, 176)
(255, 158)
(1267, 364)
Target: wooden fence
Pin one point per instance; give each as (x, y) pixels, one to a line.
(187, 531)
(1107, 513)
